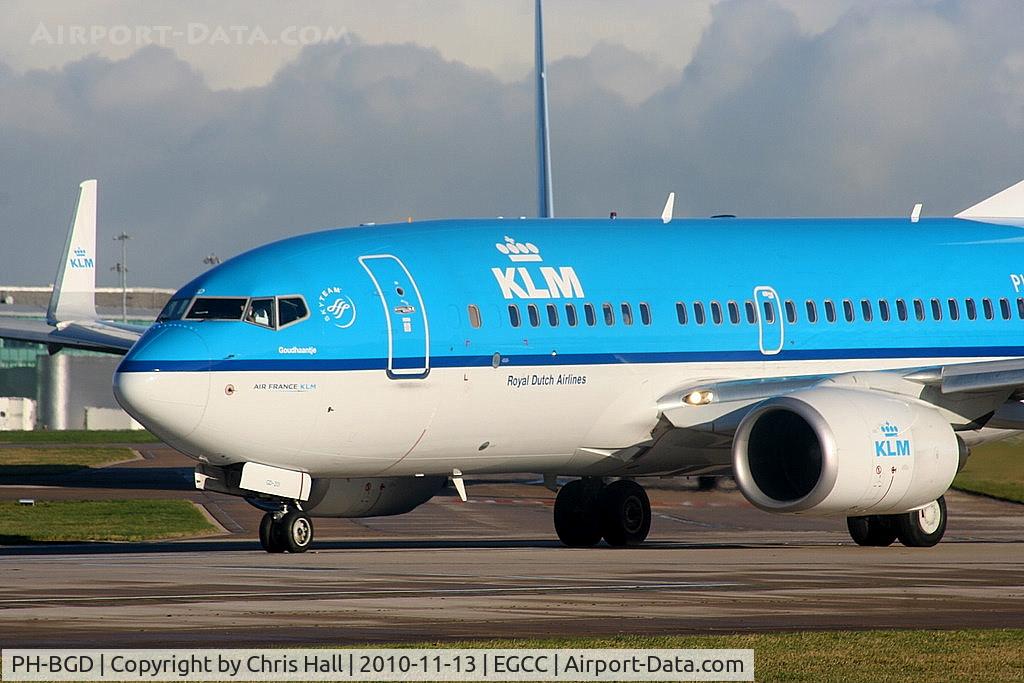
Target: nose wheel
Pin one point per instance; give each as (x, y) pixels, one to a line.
(289, 531)
(586, 510)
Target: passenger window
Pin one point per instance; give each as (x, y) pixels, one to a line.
(751, 312)
(589, 313)
(698, 313)
(215, 308)
(627, 314)
(513, 315)
(986, 305)
(812, 312)
(865, 310)
(291, 310)
(645, 313)
(769, 312)
(716, 312)
(1020, 307)
(848, 310)
(936, 310)
(681, 312)
(972, 309)
(609, 314)
(1004, 308)
(261, 312)
(570, 315)
(883, 310)
(734, 312)
(901, 310)
(552, 315)
(534, 313)
(830, 311)
(790, 311)
(954, 310)
(474, 316)
(919, 310)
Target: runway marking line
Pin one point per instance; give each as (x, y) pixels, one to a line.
(369, 593)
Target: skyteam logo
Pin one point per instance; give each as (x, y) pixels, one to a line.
(336, 307)
(80, 259)
(519, 282)
(891, 444)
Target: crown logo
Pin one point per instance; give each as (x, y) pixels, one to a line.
(517, 251)
(80, 252)
(889, 429)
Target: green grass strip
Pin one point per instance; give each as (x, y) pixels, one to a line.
(79, 436)
(28, 462)
(100, 520)
(995, 469)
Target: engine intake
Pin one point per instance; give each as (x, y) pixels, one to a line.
(831, 450)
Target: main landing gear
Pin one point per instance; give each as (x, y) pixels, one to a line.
(921, 528)
(289, 529)
(587, 510)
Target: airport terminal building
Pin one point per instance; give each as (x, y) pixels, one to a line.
(70, 388)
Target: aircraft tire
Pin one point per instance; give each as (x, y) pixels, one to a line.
(707, 483)
(577, 521)
(872, 530)
(625, 513)
(294, 532)
(923, 528)
(268, 537)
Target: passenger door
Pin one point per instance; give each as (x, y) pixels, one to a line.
(770, 330)
(408, 333)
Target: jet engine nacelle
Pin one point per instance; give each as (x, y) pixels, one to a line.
(376, 497)
(844, 451)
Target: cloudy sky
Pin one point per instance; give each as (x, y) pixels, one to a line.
(215, 129)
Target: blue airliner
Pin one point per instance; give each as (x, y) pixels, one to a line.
(354, 372)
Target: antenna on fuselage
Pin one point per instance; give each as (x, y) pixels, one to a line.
(546, 208)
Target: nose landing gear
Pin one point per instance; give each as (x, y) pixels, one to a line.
(587, 510)
(289, 530)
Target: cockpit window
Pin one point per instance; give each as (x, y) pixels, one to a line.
(173, 310)
(261, 312)
(217, 309)
(291, 309)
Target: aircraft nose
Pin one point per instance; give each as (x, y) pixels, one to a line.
(164, 381)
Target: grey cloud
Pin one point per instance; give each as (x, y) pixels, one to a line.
(890, 104)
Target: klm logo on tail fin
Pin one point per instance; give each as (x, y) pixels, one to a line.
(80, 259)
(543, 282)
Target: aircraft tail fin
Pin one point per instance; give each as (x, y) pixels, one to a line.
(545, 197)
(74, 289)
(1008, 204)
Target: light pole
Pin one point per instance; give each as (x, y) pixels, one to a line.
(122, 269)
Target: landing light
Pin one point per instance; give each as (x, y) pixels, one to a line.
(699, 398)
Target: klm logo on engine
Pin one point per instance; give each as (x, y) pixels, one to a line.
(80, 259)
(891, 444)
(538, 282)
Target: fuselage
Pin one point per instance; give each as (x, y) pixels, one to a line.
(544, 345)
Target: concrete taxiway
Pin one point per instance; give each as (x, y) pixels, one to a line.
(491, 567)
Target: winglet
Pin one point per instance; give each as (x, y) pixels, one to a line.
(546, 208)
(670, 204)
(1007, 204)
(74, 289)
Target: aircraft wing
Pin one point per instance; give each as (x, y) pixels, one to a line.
(71, 319)
(91, 335)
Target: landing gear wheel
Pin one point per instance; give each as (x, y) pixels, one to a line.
(268, 539)
(922, 528)
(293, 532)
(625, 513)
(872, 530)
(577, 521)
